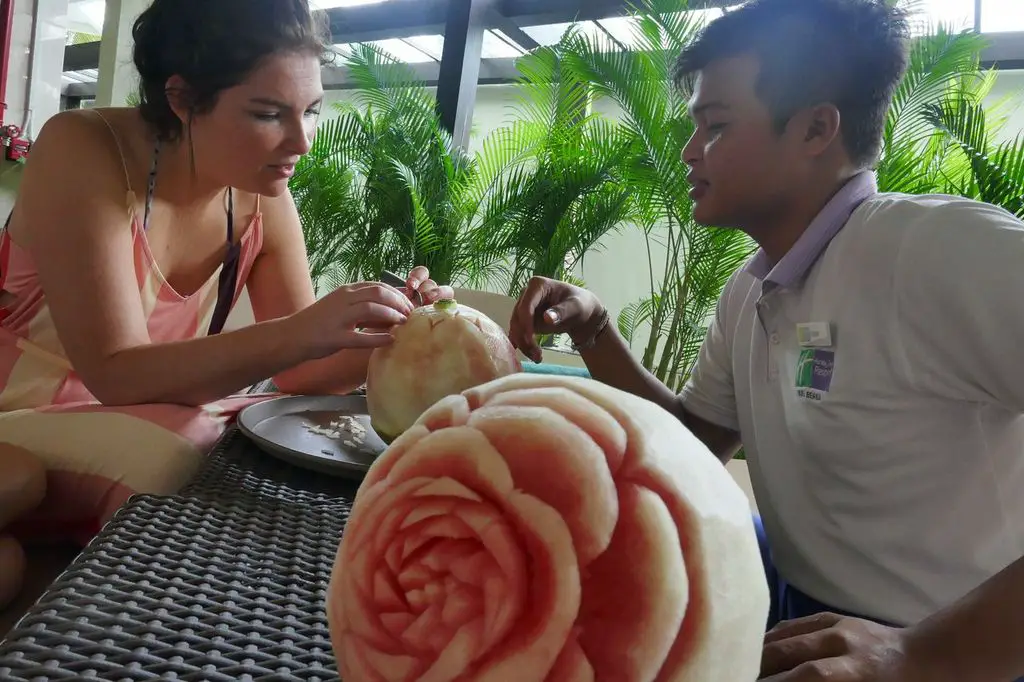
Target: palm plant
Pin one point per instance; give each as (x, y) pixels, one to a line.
(689, 270)
(559, 167)
(940, 135)
(384, 188)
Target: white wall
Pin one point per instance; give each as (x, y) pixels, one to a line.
(36, 60)
(1008, 91)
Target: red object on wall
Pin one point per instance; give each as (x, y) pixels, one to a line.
(17, 146)
(17, 149)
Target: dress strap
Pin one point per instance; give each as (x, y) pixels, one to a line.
(228, 281)
(130, 197)
(151, 185)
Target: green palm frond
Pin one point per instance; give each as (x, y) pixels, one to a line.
(655, 127)
(997, 170)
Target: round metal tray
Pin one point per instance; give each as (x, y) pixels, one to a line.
(281, 427)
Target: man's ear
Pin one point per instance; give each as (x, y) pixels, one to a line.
(179, 98)
(816, 128)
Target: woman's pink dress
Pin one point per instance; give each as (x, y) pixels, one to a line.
(98, 456)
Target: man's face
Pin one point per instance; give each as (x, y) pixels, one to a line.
(741, 169)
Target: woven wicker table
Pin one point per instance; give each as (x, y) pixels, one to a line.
(225, 581)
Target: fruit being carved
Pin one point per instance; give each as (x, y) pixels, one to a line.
(441, 350)
(548, 529)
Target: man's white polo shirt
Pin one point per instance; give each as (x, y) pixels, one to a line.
(886, 449)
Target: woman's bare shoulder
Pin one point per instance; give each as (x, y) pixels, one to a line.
(75, 161)
(119, 131)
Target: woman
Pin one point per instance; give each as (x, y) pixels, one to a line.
(132, 237)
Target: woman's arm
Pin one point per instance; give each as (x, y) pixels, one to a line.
(280, 285)
(71, 216)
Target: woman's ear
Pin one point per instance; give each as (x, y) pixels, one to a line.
(179, 98)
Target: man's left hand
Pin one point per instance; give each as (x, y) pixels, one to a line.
(833, 648)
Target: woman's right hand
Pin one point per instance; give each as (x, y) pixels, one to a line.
(358, 315)
(548, 306)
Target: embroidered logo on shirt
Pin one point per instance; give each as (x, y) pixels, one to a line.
(814, 372)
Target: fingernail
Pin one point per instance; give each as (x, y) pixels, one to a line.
(552, 316)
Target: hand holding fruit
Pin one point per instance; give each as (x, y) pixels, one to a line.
(419, 282)
(356, 315)
(548, 306)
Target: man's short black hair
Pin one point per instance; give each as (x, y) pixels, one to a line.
(850, 53)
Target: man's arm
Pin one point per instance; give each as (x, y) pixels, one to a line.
(611, 362)
(977, 639)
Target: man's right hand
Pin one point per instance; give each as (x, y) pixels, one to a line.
(358, 315)
(548, 306)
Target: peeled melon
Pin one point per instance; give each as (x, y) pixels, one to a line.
(441, 350)
(548, 529)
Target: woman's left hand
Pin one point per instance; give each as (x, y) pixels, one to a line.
(419, 282)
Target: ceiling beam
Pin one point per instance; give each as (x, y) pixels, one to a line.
(459, 70)
(405, 18)
(391, 19)
(492, 72)
(511, 29)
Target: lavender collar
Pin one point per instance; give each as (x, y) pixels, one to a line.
(812, 243)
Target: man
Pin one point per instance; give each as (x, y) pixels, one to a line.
(868, 357)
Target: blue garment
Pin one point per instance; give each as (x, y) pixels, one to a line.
(787, 602)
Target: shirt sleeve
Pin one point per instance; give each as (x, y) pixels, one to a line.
(710, 393)
(959, 303)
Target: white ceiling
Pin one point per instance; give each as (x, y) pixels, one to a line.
(86, 16)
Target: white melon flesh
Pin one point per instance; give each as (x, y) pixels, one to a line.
(548, 529)
(441, 350)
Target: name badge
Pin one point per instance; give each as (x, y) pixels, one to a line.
(814, 334)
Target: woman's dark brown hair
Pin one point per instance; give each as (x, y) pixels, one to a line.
(214, 45)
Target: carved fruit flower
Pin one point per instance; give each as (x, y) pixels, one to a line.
(548, 529)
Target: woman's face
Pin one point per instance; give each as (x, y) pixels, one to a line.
(259, 129)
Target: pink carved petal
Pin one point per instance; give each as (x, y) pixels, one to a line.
(421, 509)
(571, 665)
(602, 428)
(460, 453)
(387, 593)
(397, 623)
(630, 618)
(498, 539)
(448, 487)
(450, 411)
(354, 663)
(381, 467)
(558, 463)
(463, 648)
(552, 601)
